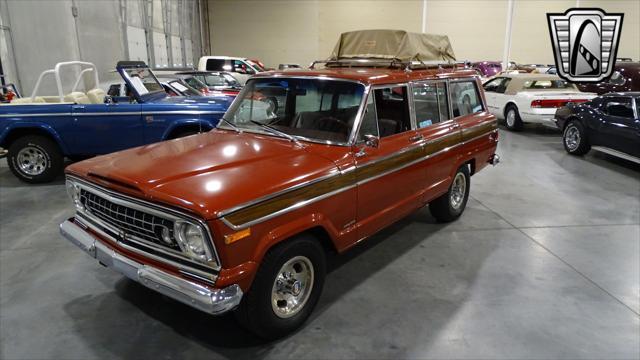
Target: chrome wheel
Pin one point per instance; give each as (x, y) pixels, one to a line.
(292, 287)
(511, 118)
(458, 190)
(572, 138)
(32, 161)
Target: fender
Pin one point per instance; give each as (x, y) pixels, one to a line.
(504, 109)
(43, 127)
(206, 124)
(292, 227)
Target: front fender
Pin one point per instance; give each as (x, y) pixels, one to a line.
(205, 124)
(38, 127)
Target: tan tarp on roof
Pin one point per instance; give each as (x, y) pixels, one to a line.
(393, 44)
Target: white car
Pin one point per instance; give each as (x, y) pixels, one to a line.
(530, 98)
(242, 68)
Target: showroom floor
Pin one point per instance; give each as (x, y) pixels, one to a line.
(543, 264)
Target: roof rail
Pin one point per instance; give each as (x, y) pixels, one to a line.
(389, 63)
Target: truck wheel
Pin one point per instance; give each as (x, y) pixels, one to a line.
(575, 139)
(512, 118)
(286, 288)
(35, 159)
(450, 206)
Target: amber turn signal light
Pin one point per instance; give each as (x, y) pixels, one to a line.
(231, 238)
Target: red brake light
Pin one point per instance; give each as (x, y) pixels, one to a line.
(555, 103)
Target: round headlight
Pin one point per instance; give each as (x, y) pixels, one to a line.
(74, 193)
(192, 240)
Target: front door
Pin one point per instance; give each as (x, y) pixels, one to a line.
(389, 175)
(105, 128)
(620, 127)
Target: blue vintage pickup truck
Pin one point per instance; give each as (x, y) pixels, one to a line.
(39, 131)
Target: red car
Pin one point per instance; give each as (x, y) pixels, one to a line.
(241, 217)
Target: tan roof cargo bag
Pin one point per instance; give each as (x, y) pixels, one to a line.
(393, 44)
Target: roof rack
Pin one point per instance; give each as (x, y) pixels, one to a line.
(388, 63)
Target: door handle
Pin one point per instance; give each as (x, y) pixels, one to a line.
(416, 138)
(78, 107)
(361, 153)
(455, 125)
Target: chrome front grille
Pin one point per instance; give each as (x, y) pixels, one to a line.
(130, 223)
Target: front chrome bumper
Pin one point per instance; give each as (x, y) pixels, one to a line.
(212, 301)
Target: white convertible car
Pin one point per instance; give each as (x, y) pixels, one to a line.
(530, 98)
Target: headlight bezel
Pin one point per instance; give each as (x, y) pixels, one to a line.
(181, 228)
(73, 190)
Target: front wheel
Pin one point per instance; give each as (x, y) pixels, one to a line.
(286, 288)
(575, 140)
(35, 159)
(450, 206)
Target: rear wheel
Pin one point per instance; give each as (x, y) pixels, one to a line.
(575, 139)
(512, 118)
(450, 206)
(35, 159)
(286, 288)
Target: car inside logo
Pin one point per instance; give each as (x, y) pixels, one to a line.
(585, 43)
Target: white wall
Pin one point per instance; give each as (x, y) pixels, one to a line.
(302, 31)
(45, 32)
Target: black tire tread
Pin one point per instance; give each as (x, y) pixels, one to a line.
(440, 207)
(49, 146)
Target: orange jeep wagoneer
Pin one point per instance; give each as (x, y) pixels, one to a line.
(304, 162)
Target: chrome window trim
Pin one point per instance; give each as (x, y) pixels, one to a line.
(151, 208)
(375, 110)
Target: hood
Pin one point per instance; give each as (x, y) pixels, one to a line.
(206, 173)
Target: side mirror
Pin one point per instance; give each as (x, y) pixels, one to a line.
(108, 99)
(371, 141)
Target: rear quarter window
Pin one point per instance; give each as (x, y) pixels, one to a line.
(465, 98)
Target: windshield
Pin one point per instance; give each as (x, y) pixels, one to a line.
(142, 80)
(213, 80)
(312, 109)
(184, 88)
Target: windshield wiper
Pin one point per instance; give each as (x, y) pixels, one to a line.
(277, 132)
(233, 126)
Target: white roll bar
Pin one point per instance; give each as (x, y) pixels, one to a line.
(89, 67)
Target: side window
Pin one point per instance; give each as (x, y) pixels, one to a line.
(215, 65)
(369, 124)
(465, 98)
(430, 103)
(493, 85)
(621, 107)
(392, 108)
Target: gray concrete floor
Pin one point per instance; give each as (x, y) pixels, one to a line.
(543, 264)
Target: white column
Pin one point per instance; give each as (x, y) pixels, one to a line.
(424, 16)
(507, 36)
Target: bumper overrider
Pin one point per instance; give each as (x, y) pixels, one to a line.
(212, 301)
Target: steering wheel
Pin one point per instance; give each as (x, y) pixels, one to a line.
(329, 123)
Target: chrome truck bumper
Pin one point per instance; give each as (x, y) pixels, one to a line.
(212, 301)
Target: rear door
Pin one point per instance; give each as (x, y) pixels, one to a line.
(388, 177)
(437, 132)
(105, 128)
